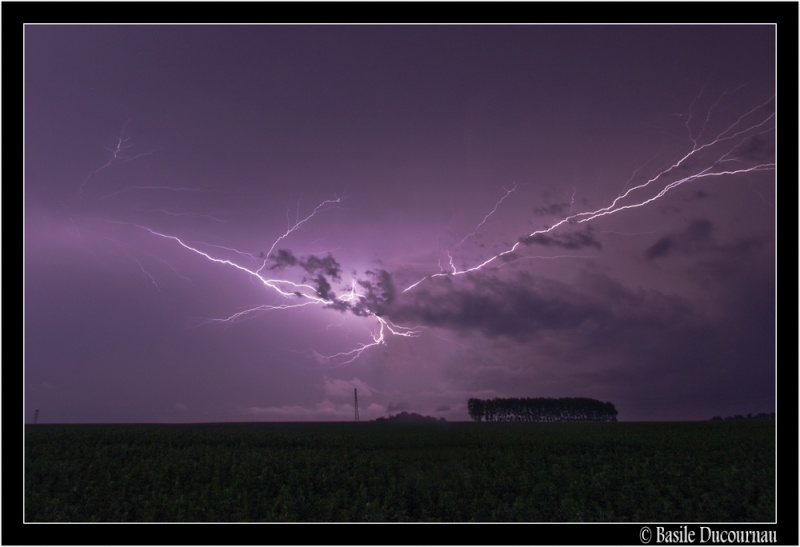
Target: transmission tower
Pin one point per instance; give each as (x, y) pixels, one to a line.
(355, 394)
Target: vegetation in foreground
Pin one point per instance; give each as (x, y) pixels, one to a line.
(383, 472)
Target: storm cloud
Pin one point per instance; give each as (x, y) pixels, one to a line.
(569, 240)
(696, 237)
(523, 306)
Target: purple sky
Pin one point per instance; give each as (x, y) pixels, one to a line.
(426, 142)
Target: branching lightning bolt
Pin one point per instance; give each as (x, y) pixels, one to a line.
(290, 289)
(297, 225)
(301, 290)
(358, 297)
(482, 222)
(736, 133)
(378, 339)
(118, 155)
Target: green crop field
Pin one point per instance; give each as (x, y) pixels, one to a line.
(390, 472)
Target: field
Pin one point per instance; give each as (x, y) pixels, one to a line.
(390, 472)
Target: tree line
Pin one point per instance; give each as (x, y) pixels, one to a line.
(541, 409)
(750, 416)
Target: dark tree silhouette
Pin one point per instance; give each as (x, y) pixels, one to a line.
(541, 409)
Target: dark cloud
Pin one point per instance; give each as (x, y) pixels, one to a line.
(326, 265)
(521, 307)
(571, 240)
(320, 269)
(282, 259)
(324, 288)
(660, 248)
(696, 236)
(757, 149)
(311, 264)
(380, 293)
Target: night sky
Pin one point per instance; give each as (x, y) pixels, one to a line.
(220, 219)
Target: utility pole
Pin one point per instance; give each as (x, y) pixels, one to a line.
(355, 394)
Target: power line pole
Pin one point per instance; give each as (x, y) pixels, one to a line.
(355, 394)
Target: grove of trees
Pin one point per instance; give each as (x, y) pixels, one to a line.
(541, 409)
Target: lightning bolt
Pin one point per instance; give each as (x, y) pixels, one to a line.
(308, 294)
(378, 338)
(734, 135)
(118, 155)
(283, 287)
(358, 296)
(482, 222)
(297, 225)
